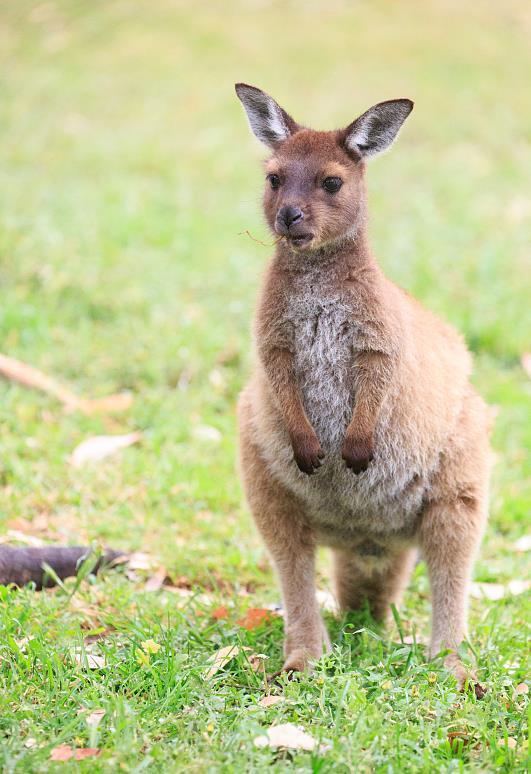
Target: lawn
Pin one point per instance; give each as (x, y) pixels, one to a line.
(127, 179)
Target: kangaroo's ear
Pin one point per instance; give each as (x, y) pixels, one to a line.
(267, 120)
(375, 130)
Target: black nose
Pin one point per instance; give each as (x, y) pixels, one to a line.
(290, 215)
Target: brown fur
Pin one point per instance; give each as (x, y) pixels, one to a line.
(359, 428)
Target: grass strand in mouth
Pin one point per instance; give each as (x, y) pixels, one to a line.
(258, 241)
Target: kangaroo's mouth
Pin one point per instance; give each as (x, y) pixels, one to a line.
(299, 240)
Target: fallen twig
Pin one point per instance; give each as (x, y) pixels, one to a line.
(17, 371)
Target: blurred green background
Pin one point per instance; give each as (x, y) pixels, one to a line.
(127, 176)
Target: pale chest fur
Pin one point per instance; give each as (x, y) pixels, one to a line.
(324, 338)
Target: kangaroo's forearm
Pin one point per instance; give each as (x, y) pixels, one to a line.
(373, 371)
(307, 452)
(372, 377)
(278, 365)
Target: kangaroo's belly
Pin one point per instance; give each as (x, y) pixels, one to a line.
(386, 498)
(343, 506)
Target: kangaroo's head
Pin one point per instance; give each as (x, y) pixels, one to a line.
(314, 191)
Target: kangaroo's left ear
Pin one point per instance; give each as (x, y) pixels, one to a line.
(375, 130)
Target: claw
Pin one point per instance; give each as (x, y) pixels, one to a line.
(357, 454)
(307, 454)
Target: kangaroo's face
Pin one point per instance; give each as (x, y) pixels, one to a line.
(313, 189)
(314, 192)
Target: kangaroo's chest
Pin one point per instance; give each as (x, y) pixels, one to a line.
(324, 358)
(328, 331)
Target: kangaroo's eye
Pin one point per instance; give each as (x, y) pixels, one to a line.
(332, 184)
(274, 181)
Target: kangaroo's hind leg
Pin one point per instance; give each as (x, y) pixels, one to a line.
(281, 521)
(450, 533)
(373, 574)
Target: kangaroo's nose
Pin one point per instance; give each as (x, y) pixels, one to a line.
(290, 215)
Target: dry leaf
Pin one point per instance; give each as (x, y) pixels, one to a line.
(13, 535)
(522, 689)
(257, 661)
(255, 617)
(110, 404)
(62, 753)
(28, 376)
(518, 586)
(42, 524)
(138, 560)
(526, 363)
(273, 607)
(30, 743)
(100, 446)
(95, 718)
(491, 591)
(510, 742)
(269, 701)
(220, 613)
(65, 753)
(184, 583)
(89, 660)
(207, 433)
(17, 371)
(496, 591)
(290, 737)
(156, 581)
(523, 544)
(222, 657)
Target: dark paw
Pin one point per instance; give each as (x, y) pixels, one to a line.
(307, 453)
(357, 454)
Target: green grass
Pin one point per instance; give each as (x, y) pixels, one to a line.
(127, 175)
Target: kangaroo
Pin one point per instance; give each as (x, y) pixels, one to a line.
(359, 429)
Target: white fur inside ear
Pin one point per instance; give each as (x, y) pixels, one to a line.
(265, 117)
(375, 131)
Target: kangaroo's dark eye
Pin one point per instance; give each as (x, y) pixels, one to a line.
(332, 184)
(274, 181)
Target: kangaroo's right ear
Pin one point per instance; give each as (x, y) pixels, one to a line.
(267, 120)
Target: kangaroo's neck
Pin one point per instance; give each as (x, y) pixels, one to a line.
(348, 255)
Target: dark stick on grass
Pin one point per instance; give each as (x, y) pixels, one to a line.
(20, 566)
